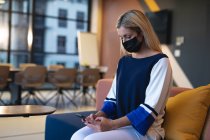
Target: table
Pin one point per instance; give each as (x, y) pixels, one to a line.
(25, 110)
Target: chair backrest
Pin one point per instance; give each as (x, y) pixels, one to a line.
(89, 77)
(23, 66)
(64, 77)
(55, 67)
(102, 88)
(4, 74)
(7, 64)
(34, 76)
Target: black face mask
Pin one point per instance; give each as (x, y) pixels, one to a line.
(132, 45)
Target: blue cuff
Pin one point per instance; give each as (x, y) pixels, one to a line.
(141, 120)
(109, 108)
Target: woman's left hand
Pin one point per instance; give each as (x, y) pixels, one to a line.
(101, 124)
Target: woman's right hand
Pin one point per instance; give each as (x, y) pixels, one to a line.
(90, 119)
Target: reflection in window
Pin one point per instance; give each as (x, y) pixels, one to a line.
(20, 23)
(62, 21)
(3, 31)
(80, 18)
(61, 44)
(4, 4)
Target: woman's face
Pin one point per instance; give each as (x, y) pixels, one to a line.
(126, 34)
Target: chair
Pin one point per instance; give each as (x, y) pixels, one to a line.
(7, 64)
(32, 78)
(4, 74)
(23, 66)
(87, 79)
(63, 80)
(55, 67)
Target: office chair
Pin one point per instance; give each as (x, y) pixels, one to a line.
(23, 66)
(31, 79)
(63, 80)
(54, 67)
(88, 79)
(4, 75)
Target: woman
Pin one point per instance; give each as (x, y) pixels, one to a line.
(134, 107)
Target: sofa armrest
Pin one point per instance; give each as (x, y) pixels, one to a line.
(102, 88)
(62, 126)
(176, 90)
(206, 129)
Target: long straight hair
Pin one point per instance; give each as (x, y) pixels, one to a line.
(138, 22)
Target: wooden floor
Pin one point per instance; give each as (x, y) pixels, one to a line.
(33, 128)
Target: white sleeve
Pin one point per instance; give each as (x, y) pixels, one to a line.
(112, 92)
(157, 91)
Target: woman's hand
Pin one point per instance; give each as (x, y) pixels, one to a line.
(101, 124)
(90, 119)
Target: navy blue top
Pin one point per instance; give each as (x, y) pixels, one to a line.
(132, 80)
(133, 76)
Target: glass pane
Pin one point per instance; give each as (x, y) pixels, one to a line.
(53, 44)
(51, 8)
(4, 31)
(3, 36)
(20, 6)
(3, 56)
(68, 61)
(19, 32)
(55, 28)
(4, 4)
(19, 57)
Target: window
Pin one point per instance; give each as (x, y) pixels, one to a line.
(61, 44)
(53, 37)
(80, 18)
(38, 43)
(62, 14)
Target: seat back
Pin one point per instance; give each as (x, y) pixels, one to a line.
(4, 74)
(102, 88)
(89, 77)
(55, 67)
(34, 76)
(23, 66)
(64, 77)
(7, 64)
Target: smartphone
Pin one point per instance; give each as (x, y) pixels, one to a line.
(81, 116)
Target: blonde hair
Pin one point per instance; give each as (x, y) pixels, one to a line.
(137, 21)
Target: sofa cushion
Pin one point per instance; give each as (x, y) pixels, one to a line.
(186, 113)
(206, 128)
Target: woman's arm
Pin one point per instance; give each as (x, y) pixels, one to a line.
(109, 107)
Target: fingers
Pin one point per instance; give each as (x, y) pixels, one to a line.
(90, 118)
(99, 118)
(94, 126)
(93, 116)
